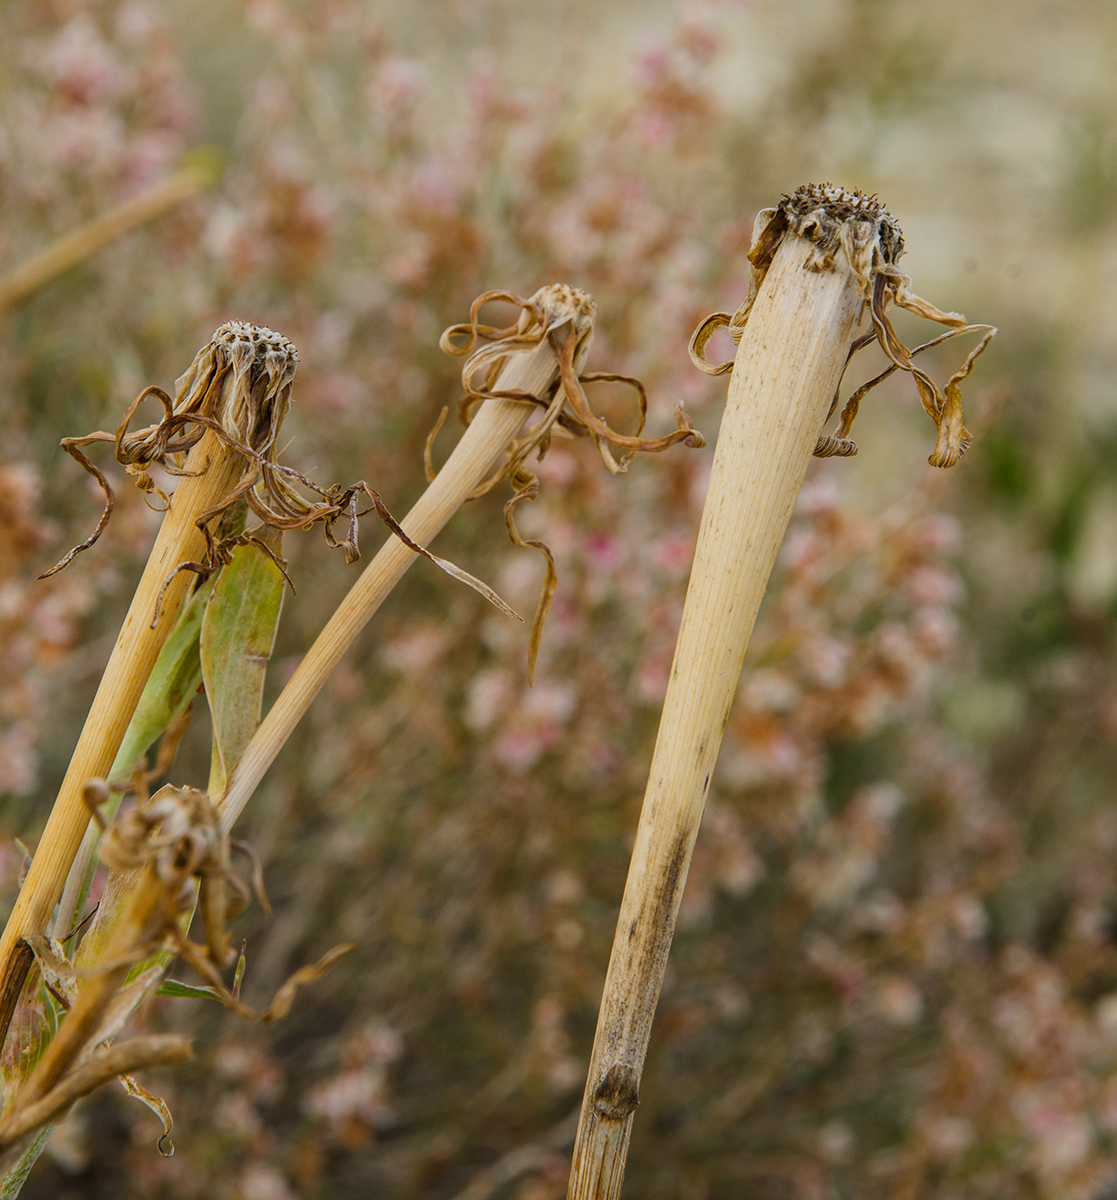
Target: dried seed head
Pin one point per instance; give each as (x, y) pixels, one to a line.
(559, 303)
(239, 389)
(555, 307)
(858, 226)
(263, 364)
(178, 830)
(830, 216)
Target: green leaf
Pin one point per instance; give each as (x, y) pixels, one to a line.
(172, 987)
(173, 682)
(238, 633)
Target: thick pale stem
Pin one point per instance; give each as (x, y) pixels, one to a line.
(212, 470)
(483, 442)
(788, 364)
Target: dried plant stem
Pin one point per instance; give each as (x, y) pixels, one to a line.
(87, 239)
(482, 444)
(212, 469)
(787, 367)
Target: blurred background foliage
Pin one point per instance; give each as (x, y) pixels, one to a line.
(896, 971)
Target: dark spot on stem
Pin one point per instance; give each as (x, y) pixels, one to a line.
(663, 916)
(617, 1095)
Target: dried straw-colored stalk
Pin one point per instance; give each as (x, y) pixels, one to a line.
(819, 260)
(235, 394)
(534, 364)
(83, 242)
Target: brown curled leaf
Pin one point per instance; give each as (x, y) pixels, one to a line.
(607, 438)
(453, 571)
(473, 331)
(550, 583)
(834, 447)
(700, 339)
(954, 439)
(428, 447)
(828, 446)
(248, 851)
(70, 445)
(158, 1106)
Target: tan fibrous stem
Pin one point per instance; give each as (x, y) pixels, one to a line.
(563, 317)
(819, 260)
(830, 218)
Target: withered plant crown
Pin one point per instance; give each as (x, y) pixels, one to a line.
(238, 387)
(561, 317)
(832, 219)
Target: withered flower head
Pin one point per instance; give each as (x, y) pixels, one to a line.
(859, 226)
(557, 320)
(239, 388)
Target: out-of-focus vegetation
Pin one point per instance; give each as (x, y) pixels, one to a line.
(896, 972)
